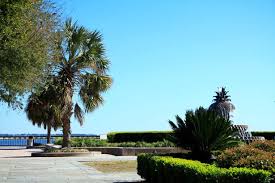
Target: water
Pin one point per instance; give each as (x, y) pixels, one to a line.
(21, 139)
(22, 142)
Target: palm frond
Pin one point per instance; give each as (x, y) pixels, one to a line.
(93, 54)
(97, 83)
(203, 131)
(78, 114)
(92, 101)
(42, 106)
(173, 125)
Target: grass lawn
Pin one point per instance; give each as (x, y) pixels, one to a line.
(114, 166)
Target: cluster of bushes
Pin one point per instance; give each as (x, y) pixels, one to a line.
(151, 136)
(258, 154)
(267, 135)
(204, 132)
(92, 142)
(163, 169)
(65, 150)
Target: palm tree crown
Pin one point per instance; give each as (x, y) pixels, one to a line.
(42, 109)
(81, 68)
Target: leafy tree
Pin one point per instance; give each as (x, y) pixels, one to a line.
(222, 105)
(43, 108)
(81, 69)
(27, 33)
(203, 131)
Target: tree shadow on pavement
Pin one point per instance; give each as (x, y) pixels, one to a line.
(142, 181)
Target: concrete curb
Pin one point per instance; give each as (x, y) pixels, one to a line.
(64, 154)
(134, 151)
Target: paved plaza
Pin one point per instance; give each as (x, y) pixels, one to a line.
(16, 165)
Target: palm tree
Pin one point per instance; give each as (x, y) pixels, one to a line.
(222, 104)
(81, 69)
(42, 109)
(203, 131)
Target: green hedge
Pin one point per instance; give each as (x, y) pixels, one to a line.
(152, 136)
(163, 169)
(92, 142)
(269, 135)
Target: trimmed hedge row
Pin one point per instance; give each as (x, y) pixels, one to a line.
(154, 136)
(163, 169)
(269, 135)
(92, 142)
(151, 136)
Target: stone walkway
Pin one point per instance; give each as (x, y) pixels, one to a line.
(17, 166)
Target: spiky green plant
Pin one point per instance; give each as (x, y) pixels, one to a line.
(203, 131)
(222, 103)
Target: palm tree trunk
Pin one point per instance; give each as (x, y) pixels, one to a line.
(49, 134)
(66, 133)
(68, 107)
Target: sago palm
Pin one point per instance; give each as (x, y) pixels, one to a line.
(222, 103)
(203, 131)
(81, 69)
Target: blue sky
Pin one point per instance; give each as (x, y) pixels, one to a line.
(170, 56)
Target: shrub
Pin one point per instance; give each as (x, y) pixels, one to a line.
(84, 142)
(58, 141)
(266, 145)
(153, 136)
(267, 135)
(252, 155)
(203, 131)
(173, 170)
(65, 150)
(259, 155)
(91, 142)
(164, 143)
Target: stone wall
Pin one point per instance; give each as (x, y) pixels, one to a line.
(133, 151)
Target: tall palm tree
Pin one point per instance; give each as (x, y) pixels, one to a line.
(222, 104)
(81, 69)
(203, 131)
(42, 109)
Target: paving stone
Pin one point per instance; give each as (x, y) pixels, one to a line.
(17, 166)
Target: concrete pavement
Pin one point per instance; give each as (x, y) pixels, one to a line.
(17, 166)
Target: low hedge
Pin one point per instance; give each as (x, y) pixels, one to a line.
(163, 169)
(269, 135)
(92, 142)
(150, 136)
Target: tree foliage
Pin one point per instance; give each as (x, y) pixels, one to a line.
(43, 107)
(27, 29)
